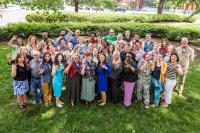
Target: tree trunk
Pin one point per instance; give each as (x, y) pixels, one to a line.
(76, 5)
(160, 6)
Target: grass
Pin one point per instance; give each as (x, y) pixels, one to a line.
(182, 116)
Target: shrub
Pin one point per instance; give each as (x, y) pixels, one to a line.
(171, 32)
(106, 17)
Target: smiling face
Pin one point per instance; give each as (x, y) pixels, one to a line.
(70, 46)
(47, 57)
(115, 56)
(173, 58)
(63, 43)
(184, 41)
(19, 42)
(60, 58)
(89, 58)
(102, 58)
(21, 59)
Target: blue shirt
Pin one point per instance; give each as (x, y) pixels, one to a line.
(74, 40)
(148, 46)
(57, 41)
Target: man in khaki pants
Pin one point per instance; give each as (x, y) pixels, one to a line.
(186, 56)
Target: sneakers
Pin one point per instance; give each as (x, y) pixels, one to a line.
(34, 102)
(59, 105)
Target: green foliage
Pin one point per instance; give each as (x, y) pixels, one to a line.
(106, 18)
(163, 31)
(45, 5)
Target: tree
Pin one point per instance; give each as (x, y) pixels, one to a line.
(160, 6)
(95, 3)
(45, 5)
(5, 2)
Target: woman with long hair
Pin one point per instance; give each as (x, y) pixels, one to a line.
(46, 78)
(57, 81)
(102, 78)
(20, 82)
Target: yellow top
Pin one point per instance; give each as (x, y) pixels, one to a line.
(162, 71)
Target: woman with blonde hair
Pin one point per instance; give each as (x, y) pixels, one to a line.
(116, 66)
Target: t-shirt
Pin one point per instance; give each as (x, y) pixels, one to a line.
(15, 51)
(110, 39)
(171, 71)
(35, 67)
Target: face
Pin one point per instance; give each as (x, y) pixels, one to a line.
(136, 37)
(155, 48)
(103, 42)
(49, 43)
(81, 41)
(92, 35)
(184, 42)
(127, 33)
(146, 57)
(47, 57)
(89, 58)
(120, 37)
(39, 46)
(33, 40)
(21, 59)
(70, 46)
(128, 57)
(148, 37)
(62, 33)
(127, 48)
(111, 47)
(102, 58)
(60, 58)
(115, 56)
(63, 43)
(36, 56)
(52, 49)
(137, 45)
(95, 52)
(111, 33)
(164, 43)
(77, 32)
(44, 36)
(76, 59)
(23, 50)
(173, 58)
(19, 42)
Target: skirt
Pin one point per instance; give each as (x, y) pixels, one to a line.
(88, 89)
(20, 87)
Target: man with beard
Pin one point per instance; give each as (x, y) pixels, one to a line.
(65, 35)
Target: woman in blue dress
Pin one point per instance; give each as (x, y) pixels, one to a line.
(57, 81)
(102, 81)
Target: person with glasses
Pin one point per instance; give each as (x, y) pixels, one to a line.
(34, 66)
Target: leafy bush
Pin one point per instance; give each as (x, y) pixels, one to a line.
(171, 32)
(106, 17)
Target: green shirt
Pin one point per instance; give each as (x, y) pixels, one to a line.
(15, 51)
(110, 39)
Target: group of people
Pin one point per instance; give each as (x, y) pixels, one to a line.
(112, 66)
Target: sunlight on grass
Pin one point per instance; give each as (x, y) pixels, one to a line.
(48, 114)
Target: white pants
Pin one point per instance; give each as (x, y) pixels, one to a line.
(169, 85)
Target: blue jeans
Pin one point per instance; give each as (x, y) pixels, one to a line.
(157, 87)
(36, 84)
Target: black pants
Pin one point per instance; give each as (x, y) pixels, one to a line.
(115, 84)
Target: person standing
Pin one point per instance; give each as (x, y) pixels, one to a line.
(148, 44)
(57, 81)
(34, 66)
(46, 78)
(130, 76)
(186, 56)
(72, 69)
(159, 69)
(88, 71)
(111, 37)
(20, 82)
(173, 68)
(116, 66)
(102, 78)
(144, 80)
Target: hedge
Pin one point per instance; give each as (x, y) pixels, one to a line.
(106, 17)
(171, 32)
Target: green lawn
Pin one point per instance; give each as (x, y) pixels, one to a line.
(182, 116)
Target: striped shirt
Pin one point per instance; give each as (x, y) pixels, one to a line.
(171, 71)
